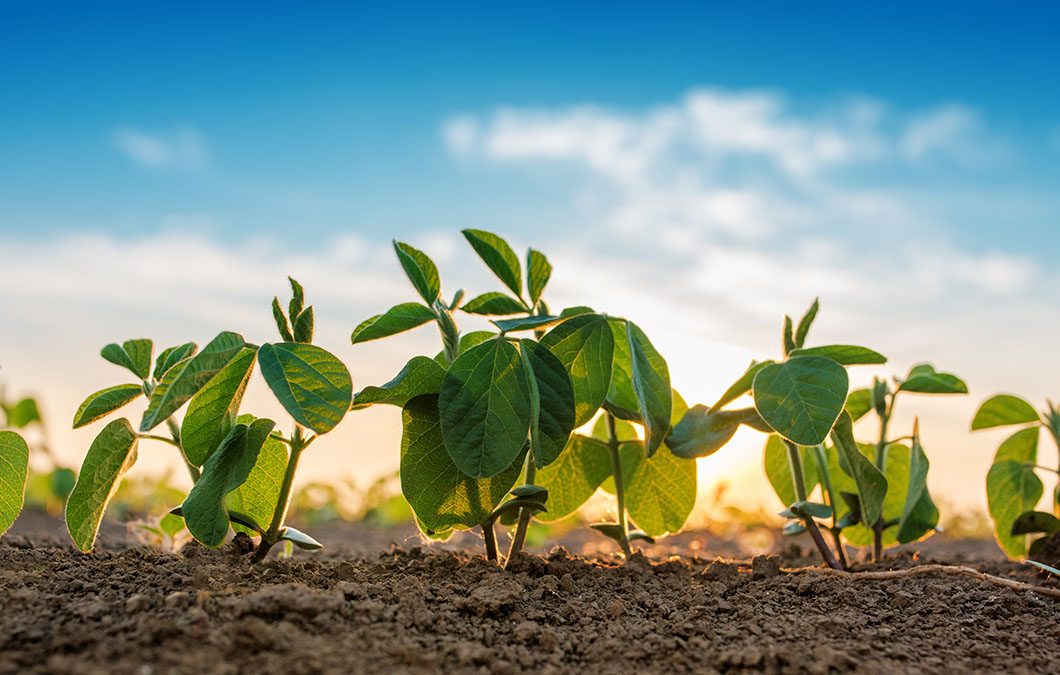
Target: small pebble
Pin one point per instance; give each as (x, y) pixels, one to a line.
(136, 603)
(177, 599)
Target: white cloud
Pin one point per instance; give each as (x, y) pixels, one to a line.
(953, 131)
(183, 148)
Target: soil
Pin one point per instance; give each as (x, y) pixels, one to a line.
(131, 609)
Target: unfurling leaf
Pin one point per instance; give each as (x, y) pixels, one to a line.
(281, 321)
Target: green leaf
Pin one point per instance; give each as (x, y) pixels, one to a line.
(871, 483)
(859, 403)
(104, 402)
(778, 469)
(311, 383)
(801, 398)
(183, 380)
(650, 379)
(485, 408)
(281, 321)
(499, 257)
(421, 375)
(225, 470)
(1003, 410)
(1021, 446)
(493, 303)
(924, 379)
(525, 323)
(621, 400)
(919, 513)
(575, 475)
(660, 490)
(577, 310)
(703, 431)
(538, 272)
(397, 319)
(213, 410)
(171, 524)
(555, 392)
(420, 270)
(303, 326)
(294, 308)
(585, 346)
(845, 355)
(805, 322)
(256, 497)
(134, 355)
(21, 414)
(742, 385)
(807, 509)
(109, 457)
(789, 336)
(14, 471)
(442, 496)
(1035, 522)
(171, 356)
(1013, 488)
(300, 539)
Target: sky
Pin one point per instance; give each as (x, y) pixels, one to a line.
(701, 169)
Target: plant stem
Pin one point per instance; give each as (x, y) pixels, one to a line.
(490, 539)
(881, 464)
(174, 431)
(800, 493)
(524, 514)
(620, 489)
(826, 484)
(269, 539)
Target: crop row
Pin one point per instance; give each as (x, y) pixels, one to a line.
(496, 426)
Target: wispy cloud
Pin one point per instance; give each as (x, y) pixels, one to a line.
(183, 148)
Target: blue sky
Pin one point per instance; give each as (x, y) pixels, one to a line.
(700, 168)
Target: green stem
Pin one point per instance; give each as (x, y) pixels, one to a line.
(620, 488)
(271, 536)
(524, 514)
(795, 463)
(826, 484)
(449, 331)
(489, 537)
(881, 464)
(174, 431)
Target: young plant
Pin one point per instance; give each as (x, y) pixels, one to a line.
(800, 399)
(908, 513)
(1013, 488)
(14, 469)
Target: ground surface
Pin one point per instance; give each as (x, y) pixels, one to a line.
(130, 609)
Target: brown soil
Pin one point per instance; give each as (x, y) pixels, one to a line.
(129, 609)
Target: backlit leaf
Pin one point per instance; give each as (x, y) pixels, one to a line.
(171, 356)
(778, 469)
(660, 490)
(538, 272)
(499, 257)
(846, 355)
(585, 346)
(742, 385)
(871, 483)
(257, 495)
(1013, 488)
(556, 401)
(859, 403)
(802, 397)
(111, 454)
(134, 355)
(421, 375)
(104, 402)
(1003, 410)
(650, 378)
(924, 379)
(212, 411)
(311, 383)
(573, 478)
(805, 322)
(397, 319)
(493, 303)
(525, 323)
(703, 431)
(14, 470)
(420, 270)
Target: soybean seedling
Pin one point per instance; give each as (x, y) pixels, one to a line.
(800, 399)
(14, 468)
(1013, 487)
(907, 513)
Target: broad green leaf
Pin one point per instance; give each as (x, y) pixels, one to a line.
(493, 303)
(212, 411)
(778, 469)
(621, 400)
(257, 495)
(133, 355)
(1003, 410)
(1013, 488)
(171, 524)
(225, 470)
(485, 408)
(577, 310)
(573, 478)
(871, 483)
(1021, 446)
(280, 319)
(650, 378)
(104, 402)
(397, 319)
(303, 326)
(21, 414)
(555, 393)
(919, 513)
(859, 403)
(846, 355)
(805, 322)
(499, 257)
(109, 457)
(742, 385)
(171, 356)
(421, 375)
(703, 431)
(300, 539)
(185, 379)
(311, 383)
(525, 323)
(660, 490)
(538, 272)
(802, 397)
(585, 345)
(1033, 522)
(442, 496)
(14, 470)
(420, 270)
(924, 379)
